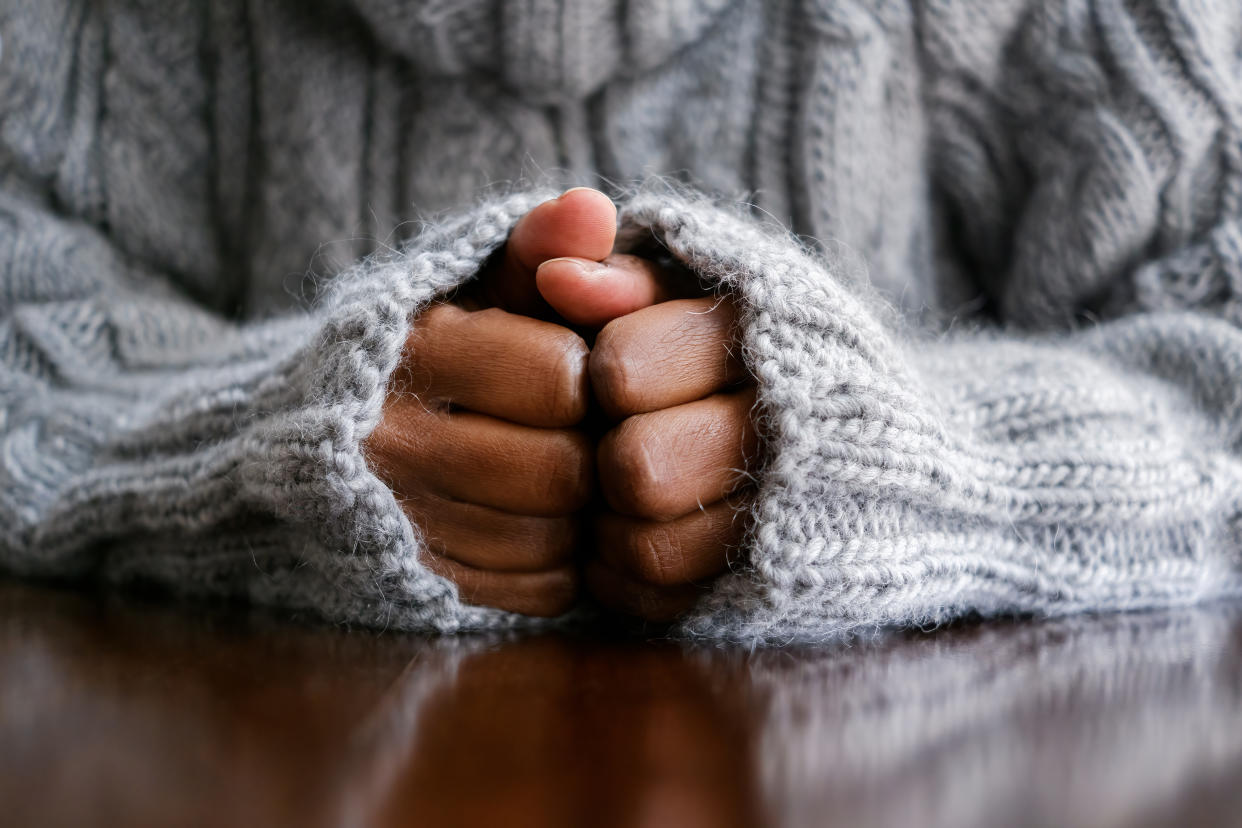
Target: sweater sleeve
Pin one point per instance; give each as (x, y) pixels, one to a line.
(1082, 452)
(144, 439)
(915, 481)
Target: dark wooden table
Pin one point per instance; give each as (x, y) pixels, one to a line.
(119, 711)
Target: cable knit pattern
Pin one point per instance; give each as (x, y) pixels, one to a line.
(236, 472)
(176, 182)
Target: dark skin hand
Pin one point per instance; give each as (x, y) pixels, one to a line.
(481, 437)
(667, 373)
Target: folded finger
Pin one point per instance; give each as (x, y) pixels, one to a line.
(665, 355)
(486, 538)
(498, 363)
(664, 553)
(544, 594)
(479, 459)
(668, 463)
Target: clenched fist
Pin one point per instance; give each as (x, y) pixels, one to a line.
(673, 469)
(482, 438)
(479, 437)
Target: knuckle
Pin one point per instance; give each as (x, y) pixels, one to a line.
(613, 371)
(568, 472)
(555, 544)
(394, 447)
(631, 472)
(378, 450)
(429, 321)
(567, 367)
(555, 594)
(656, 555)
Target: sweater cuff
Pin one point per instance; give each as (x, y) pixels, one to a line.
(910, 483)
(360, 559)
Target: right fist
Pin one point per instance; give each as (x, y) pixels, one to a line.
(478, 439)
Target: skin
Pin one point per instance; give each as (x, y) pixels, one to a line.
(672, 467)
(482, 435)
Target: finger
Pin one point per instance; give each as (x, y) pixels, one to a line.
(592, 293)
(544, 594)
(492, 362)
(666, 464)
(666, 355)
(582, 222)
(486, 538)
(620, 593)
(689, 548)
(478, 459)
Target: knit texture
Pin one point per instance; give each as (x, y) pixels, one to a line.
(207, 270)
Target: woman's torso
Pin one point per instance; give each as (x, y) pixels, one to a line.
(242, 145)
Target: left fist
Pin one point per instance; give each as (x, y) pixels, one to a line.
(674, 467)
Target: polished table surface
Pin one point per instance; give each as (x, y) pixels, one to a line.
(126, 711)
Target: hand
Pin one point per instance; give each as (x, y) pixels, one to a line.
(673, 469)
(478, 437)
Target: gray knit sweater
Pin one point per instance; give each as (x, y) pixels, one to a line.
(1045, 415)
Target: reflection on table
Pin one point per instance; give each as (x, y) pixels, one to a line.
(115, 711)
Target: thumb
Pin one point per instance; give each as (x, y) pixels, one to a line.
(581, 223)
(592, 294)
